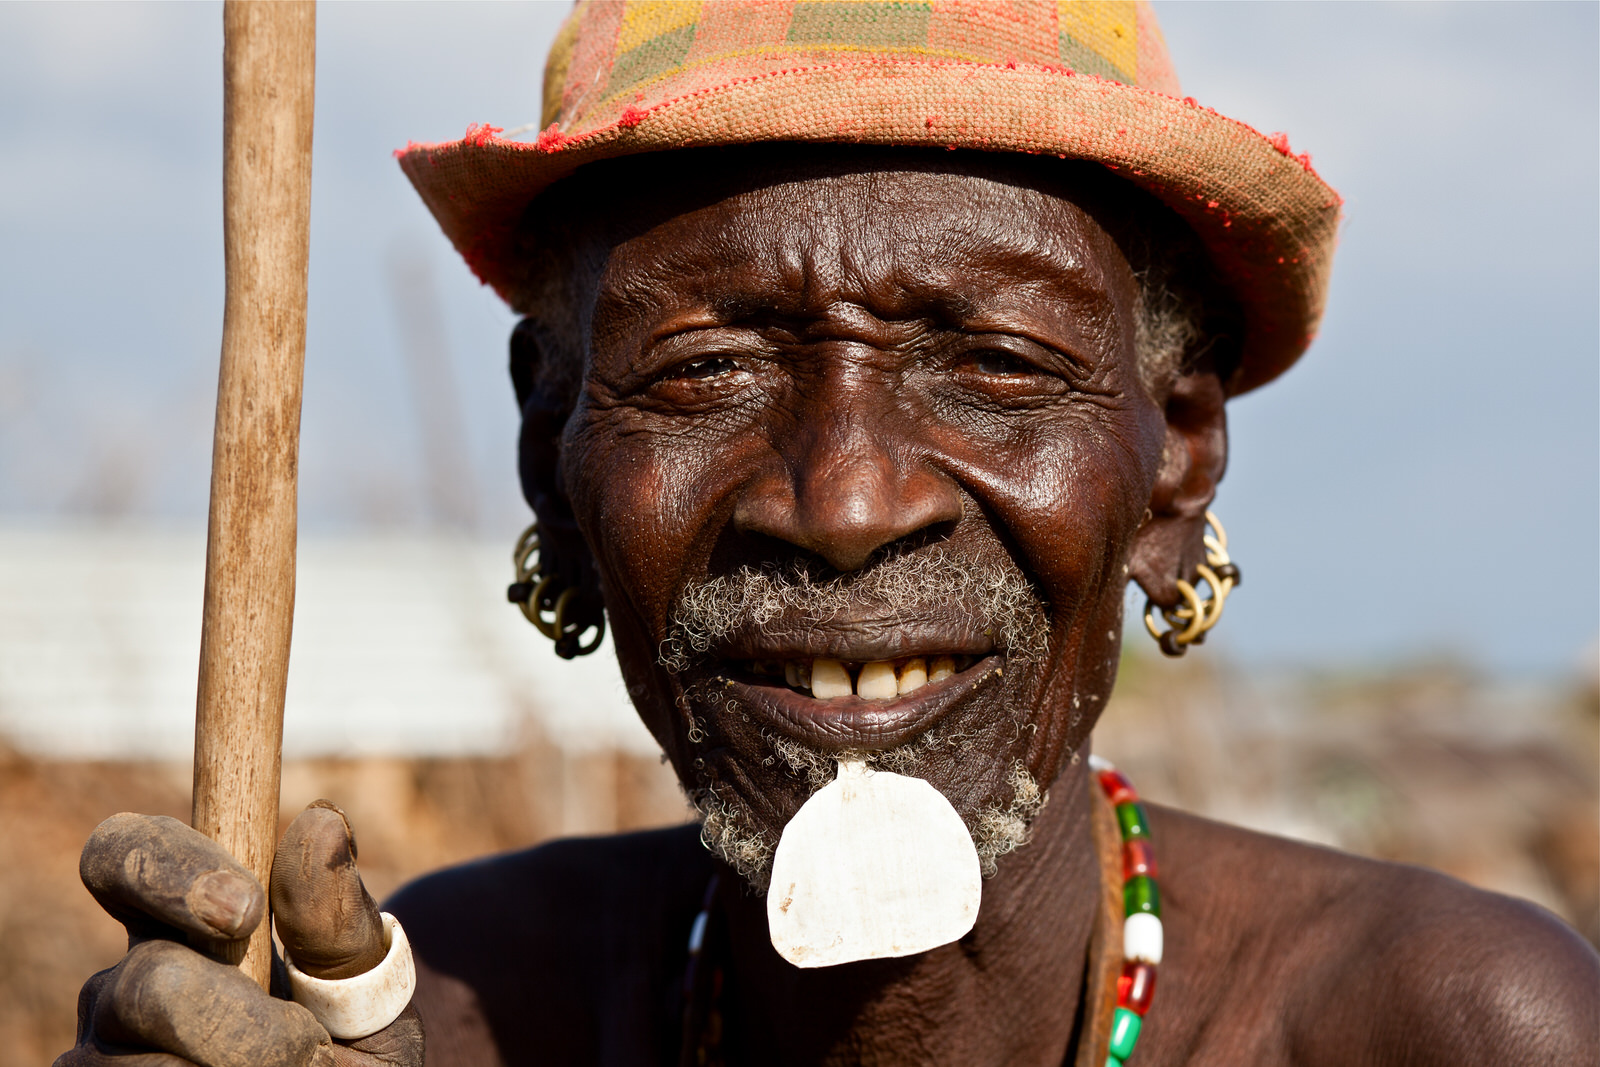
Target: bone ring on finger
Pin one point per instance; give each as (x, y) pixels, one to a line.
(351, 1008)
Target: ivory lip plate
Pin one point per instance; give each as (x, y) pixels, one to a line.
(874, 865)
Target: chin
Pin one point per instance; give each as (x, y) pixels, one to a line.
(760, 742)
(941, 664)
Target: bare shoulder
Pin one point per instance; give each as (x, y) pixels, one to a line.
(564, 953)
(1356, 960)
(559, 891)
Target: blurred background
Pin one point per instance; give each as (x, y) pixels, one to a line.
(1409, 671)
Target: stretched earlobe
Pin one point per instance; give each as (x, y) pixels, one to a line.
(539, 590)
(564, 564)
(1170, 545)
(1189, 623)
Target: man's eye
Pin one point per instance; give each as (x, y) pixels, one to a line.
(994, 361)
(706, 368)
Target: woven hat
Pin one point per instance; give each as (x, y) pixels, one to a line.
(1080, 80)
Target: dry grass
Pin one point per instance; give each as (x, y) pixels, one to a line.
(1418, 766)
(411, 816)
(1427, 764)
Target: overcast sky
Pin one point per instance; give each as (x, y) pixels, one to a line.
(1427, 481)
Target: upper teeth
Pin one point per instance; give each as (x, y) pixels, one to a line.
(829, 679)
(882, 679)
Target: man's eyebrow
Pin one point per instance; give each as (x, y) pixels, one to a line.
(916, 301)
(906, 293)
(745, 306)
(942, 305)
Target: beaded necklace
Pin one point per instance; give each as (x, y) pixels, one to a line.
(1141, 912)
(702, 990)
(1141, 940)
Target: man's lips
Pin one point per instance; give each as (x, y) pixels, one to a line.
(857, 722)
(866, 683)
(857, 641)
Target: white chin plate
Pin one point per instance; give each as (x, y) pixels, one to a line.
(874, 865)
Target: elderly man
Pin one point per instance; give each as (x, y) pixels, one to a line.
(869, 352)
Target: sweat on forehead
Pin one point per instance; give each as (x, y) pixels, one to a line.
(954, 204)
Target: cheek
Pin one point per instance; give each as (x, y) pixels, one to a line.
(1070, 493)
(641, 501)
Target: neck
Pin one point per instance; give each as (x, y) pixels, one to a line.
(1007, 993)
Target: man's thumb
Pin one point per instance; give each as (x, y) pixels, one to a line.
(328, 922)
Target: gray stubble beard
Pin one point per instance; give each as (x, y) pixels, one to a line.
(1016, 616)
(728, 828)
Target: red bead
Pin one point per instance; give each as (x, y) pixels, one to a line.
(1135, 986)
(1117, 788)
(1138, 858)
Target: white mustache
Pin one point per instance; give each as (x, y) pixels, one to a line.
(914, 585)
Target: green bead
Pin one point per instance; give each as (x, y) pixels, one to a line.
(1139, 893)
(1124, 1032)
(1112, 1061)
(1132, 819)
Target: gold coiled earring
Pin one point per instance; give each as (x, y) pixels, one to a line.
(1188, 623)
(539, 596)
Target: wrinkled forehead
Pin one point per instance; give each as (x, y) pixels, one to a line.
(883, 236)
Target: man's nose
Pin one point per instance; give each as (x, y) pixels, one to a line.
(844, 489)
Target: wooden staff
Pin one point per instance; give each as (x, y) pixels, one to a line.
(269, 51)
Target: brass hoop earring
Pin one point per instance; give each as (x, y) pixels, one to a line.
(540, 596)
(568, 634)
(1189, 622)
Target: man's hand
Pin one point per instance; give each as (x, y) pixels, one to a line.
(167, 1005)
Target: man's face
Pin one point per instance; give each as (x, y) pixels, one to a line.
(847, 433)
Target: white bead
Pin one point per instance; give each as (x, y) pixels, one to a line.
(697, 933)
(1097, 764)
(351, 1008)
(1141, 938)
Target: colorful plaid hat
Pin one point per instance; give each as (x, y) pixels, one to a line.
(1078, 79)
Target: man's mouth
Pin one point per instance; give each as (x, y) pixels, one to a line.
(837, 702)
(827, 678)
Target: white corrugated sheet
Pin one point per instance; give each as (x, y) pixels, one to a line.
(402, 645)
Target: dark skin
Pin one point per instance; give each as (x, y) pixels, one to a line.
(825, 365)
(167, 1005)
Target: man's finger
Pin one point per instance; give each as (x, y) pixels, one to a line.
(329, 923)
(93, 1057)
(89, 1051)
(399, 1043)
(170, 998)
(152, 867)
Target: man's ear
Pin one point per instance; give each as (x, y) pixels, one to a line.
(546, 406)
(544, 417)
(1169, 545)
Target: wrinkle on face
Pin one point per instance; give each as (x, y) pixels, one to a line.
(844, 308)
